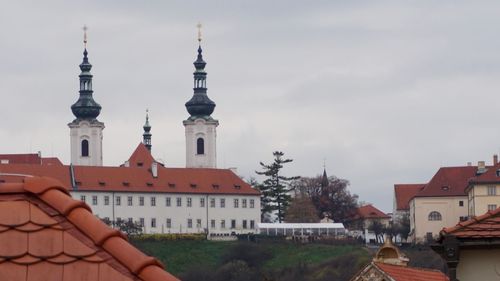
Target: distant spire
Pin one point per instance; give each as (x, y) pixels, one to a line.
(199, 32)
(147, 135)
(324, 178)
(86, 107)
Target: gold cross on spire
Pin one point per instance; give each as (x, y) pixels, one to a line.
(85, 28)
(199, 31)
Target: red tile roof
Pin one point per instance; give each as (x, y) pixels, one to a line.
(449, 181)
(31, 158)
(46, 235)
(404, 193)
(490, 176)
(370, 212)
(138, 179)
(406, 273)
(484, 226)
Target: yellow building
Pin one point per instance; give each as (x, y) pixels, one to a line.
(484, 190)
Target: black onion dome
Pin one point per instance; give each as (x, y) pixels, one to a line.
(86, 107)
(200, 104)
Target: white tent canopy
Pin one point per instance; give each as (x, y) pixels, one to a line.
(291, 229)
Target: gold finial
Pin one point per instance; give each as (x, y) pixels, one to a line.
(85, 28)
(199, 31)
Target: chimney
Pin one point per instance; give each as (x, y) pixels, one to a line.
(154, 169)
(481, 167)
(495, 159)
(126, 164)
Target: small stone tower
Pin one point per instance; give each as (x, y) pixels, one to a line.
(86, 130)
(200, 127)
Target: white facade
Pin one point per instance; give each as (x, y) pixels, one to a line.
(201, 138)
(177, 212)
(86, 142)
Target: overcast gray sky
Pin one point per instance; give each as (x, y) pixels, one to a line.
(386, 91)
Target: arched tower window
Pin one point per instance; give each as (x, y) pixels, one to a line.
(85, 148)
(435, 216)
(200, 146)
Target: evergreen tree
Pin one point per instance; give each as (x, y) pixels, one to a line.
(275, 190)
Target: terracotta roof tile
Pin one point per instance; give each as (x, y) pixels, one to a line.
(490, 176)
(368, 211)
(449, 181)
(484, 226)
(31, 158)
(141, 157)
(45, 236)
(406, 273)
(403, 193)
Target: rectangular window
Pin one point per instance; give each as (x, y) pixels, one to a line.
(222, 224)
(243, 203)
(252, 224)
(167, 201)
(94, 200)
(106, 200)
(236, 203)
(118, 200)
(492, 190)
(233, 224)
(212, 223)
(141, 222)
(202, 202)
(492, 207)
(461, 203)
(252, 203)
(190, 223)
(212, 202)
(118, 219)
(130, 220)
(189, 202)
(141, 200)
(129, 200)
(198, 223)
(82, 198)
(179, 201)
(169, 223)
(244, 224)
(153, 201)
(153, 222)
(223, 203)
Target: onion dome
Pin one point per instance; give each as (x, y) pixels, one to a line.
(85, 107)
(200, 105)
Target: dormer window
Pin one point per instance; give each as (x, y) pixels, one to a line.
(215, 186)
(445, 188)
(193, 185)
(126, 183)
(140, 164)
(78, 183)
(237, 186)
(171, 185)
(149, 184)
(101, 183)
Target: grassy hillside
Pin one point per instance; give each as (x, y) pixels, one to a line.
(180, 256)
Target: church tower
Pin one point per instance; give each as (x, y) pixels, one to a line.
(200, 127)
(146, 136)
(86, 130)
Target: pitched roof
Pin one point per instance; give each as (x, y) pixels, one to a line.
(370, 212)
(484, 226)
(141, 157)
(406, 273)
(46, 235)
(448, 181)
(490, 176)
(404, 193)
(137, 179)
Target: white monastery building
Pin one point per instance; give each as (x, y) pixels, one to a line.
(197, 199)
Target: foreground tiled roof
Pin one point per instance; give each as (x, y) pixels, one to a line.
(449, 181)
(484, 226)
(404, 193)
(369, 212)
(46, 235)
(406, 273)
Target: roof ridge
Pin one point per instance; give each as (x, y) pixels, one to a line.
(114, 242)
